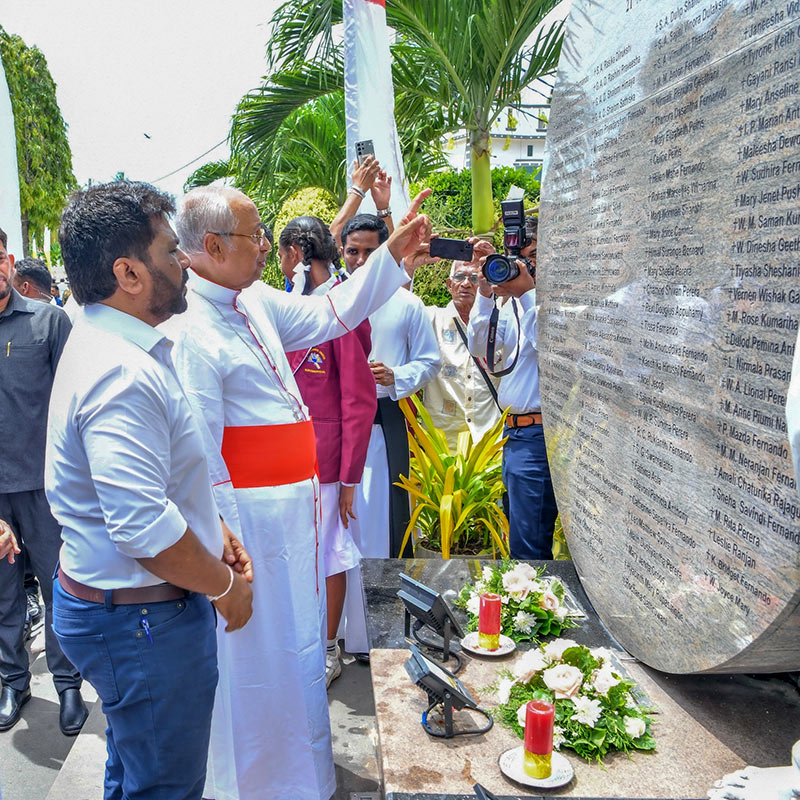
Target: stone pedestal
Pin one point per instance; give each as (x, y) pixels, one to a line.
(686, 763)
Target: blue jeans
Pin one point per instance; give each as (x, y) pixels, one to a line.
(157, 695)
(530, 502)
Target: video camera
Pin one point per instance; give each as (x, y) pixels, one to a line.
(499, 268)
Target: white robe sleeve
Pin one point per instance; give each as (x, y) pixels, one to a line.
(311, 319)
(424, 359)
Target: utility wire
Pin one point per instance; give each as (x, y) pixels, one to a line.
(189, 163)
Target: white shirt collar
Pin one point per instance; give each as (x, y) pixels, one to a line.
(213, 291)
(125, 325)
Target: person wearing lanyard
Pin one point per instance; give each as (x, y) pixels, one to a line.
(530, 502)
(128, 481)
(271, 731)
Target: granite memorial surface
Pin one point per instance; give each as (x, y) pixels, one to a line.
(686, 762)
(669, 302)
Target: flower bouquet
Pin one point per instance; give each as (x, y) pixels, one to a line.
(532, 606)
(594, 710)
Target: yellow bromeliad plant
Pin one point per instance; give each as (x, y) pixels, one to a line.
(455, 496)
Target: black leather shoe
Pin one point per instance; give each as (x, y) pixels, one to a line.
(73, 712)
(362, 658)
(11, 702)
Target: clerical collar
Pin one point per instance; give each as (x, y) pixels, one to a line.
(210, 290)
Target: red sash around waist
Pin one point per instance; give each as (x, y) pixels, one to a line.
(269, 455)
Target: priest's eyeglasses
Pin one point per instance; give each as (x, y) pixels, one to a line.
(259, 238)
(460, 277)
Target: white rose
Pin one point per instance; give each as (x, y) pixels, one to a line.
(603, 679)
(549, 601)
(634, 727)
(516, 586)
(587, 711)
(526, 571)
(528, 665)
(504, 690)
(474, 605)
(521, 714)
(564, 680)
(558, 737)
(555, 649)
(602, 654)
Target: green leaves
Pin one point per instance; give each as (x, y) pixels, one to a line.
(456, 64)
(454, 496)
(44, 157)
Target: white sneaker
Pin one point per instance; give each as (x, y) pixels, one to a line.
(333, 666)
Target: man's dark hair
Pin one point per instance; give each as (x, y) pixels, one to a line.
(104, 223)
(35, 271)
(4, 239)
(365, 222)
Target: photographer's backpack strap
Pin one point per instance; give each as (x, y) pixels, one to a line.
(478, 364)
(492, 340)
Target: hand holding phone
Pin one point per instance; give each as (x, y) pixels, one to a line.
(454, 249)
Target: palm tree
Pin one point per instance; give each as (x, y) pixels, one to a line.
(456, 64)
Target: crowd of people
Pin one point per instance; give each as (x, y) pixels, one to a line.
(201, 445)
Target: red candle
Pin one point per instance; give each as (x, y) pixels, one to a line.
(539, 716)
(489, 621)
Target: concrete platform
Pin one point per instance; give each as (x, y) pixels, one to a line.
(686, 762)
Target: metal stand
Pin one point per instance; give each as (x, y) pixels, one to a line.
(444, 649)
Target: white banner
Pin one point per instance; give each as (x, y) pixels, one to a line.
(9, 175)
(369, 94)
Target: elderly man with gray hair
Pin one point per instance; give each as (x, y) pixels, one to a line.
(270, 732)
(463, 396)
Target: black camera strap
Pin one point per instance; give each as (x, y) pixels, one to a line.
(492, 340)
(478, 364)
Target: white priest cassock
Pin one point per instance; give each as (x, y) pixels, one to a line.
(402, 339)
(270, 733)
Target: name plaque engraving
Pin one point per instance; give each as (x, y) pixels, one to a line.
(669, 303)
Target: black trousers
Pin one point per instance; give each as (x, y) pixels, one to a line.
(28, 514)
(393, 425)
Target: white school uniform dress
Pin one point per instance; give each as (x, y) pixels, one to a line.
(270, 735)
(402, 339)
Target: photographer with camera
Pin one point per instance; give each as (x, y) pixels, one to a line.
(505, 337)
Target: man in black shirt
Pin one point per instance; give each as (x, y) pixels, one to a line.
(32, 336)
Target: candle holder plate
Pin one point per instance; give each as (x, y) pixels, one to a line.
(512, 766)
(470, 644)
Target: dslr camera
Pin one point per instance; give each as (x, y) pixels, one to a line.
(499, 268)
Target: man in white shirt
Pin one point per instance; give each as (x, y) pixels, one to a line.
(463, 396)
(404, 358)
(530, 502)
(128, 481)
(271, 731)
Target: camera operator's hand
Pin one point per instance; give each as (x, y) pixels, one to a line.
(480, 250)
(524, 282)
(364, 174)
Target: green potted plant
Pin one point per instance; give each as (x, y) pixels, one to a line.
(455, 496)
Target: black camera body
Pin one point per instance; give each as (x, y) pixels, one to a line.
(499, 268)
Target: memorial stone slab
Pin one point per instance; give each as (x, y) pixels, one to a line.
(669, 301)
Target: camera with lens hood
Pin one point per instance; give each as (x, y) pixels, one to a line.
(499, 268)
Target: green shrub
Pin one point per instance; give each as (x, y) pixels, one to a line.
(314, 202)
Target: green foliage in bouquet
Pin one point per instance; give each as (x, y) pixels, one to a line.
(594, 711)
(533, 606)
(455, 496)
